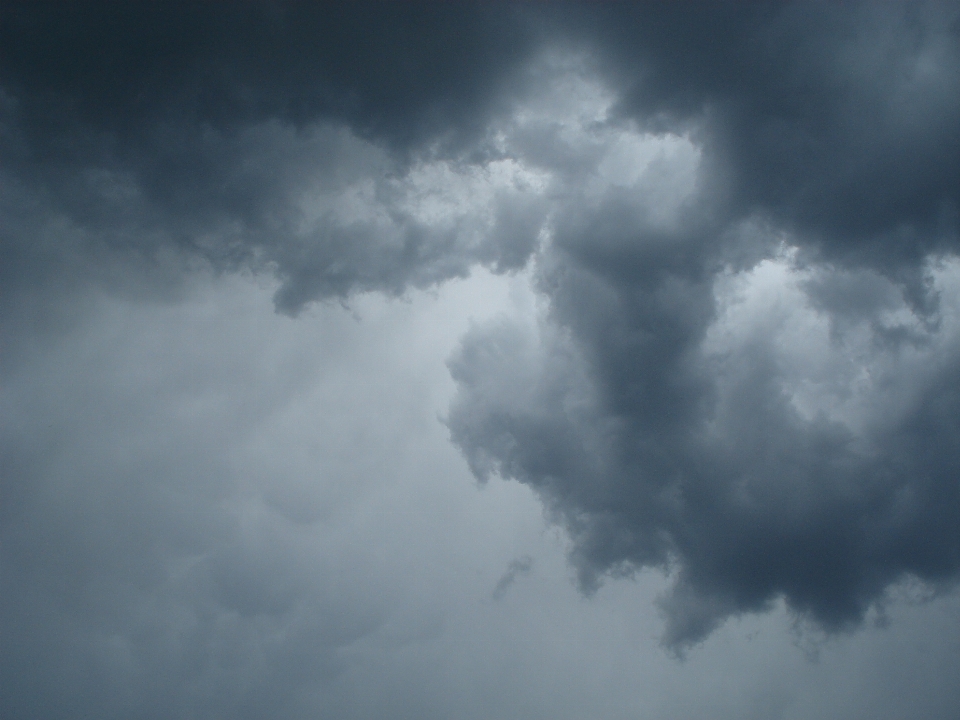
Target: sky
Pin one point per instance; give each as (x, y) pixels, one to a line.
(479, 361)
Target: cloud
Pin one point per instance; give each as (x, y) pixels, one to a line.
(745, 370)
(744, 226)
(210, 508)
(143, 142)
(516, 568)
(144, 572)
(835, 121)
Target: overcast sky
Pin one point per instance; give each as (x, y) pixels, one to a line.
(479, 362)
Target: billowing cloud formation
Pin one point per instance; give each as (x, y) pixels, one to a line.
(303, 139)
(747, 371)
(744, 228)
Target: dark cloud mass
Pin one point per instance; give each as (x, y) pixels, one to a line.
(673, 434)
(742, 221)
(229, 134)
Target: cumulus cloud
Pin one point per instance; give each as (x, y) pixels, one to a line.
(745, 371)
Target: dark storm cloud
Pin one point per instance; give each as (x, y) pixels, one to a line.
(663, 421)
(666, 427)
(838, 120)
(405, 72)
(144, 137)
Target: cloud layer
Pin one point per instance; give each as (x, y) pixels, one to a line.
(742, 370)
(282, 136)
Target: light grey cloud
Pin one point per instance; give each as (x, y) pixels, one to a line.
(517, 568)
(209, 505)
